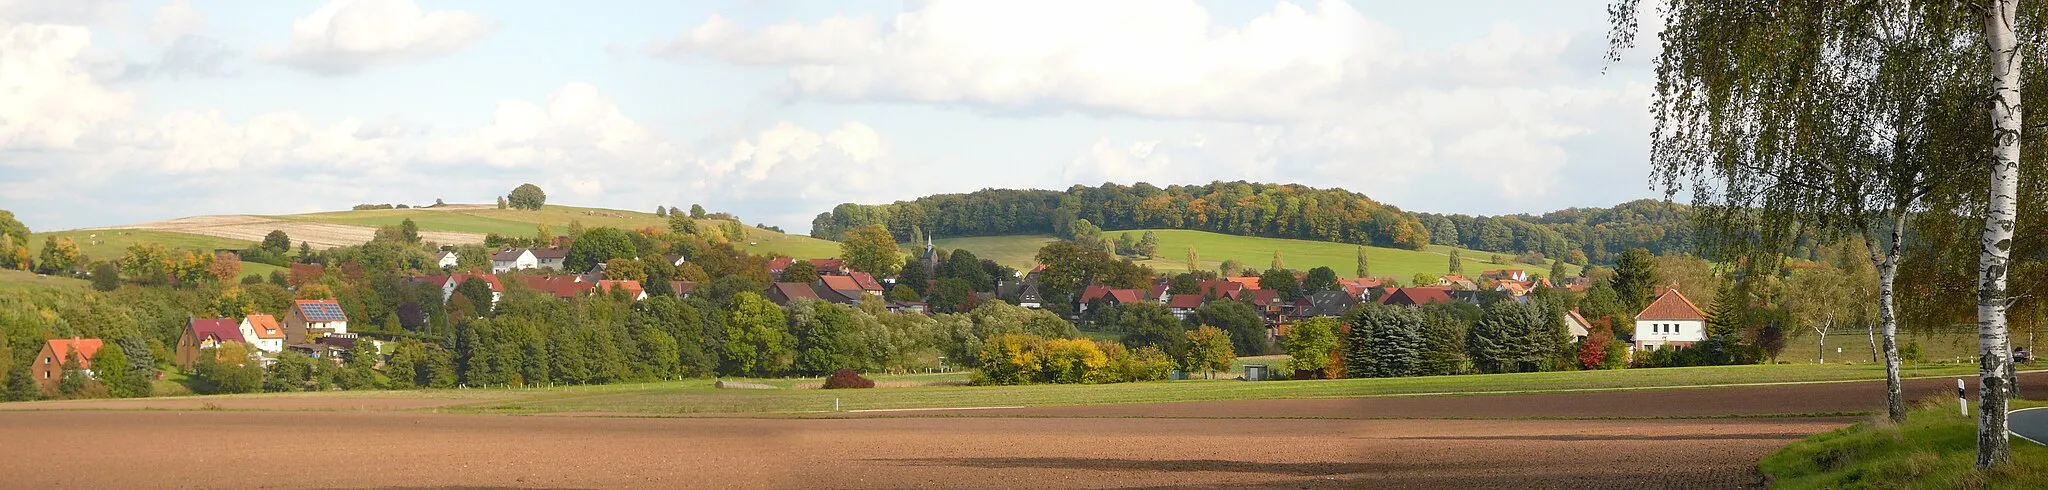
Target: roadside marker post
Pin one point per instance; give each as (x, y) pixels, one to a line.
(1962, 402)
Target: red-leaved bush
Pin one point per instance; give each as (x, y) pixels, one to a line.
(846, 378)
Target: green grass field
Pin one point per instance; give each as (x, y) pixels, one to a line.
(1935, 448)
(699, 397)
(13, 280)
(113, 244)
(1950, 345)
(518, 222)
(1213, 248)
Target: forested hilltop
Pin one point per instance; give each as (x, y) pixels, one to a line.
(1577, 235)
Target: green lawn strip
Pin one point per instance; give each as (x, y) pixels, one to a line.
(698, 396)
(1935, 448)
(113, 244)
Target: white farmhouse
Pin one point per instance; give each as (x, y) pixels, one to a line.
(445, 259)
(1671, 320)
(513, 259)
(454, 281)
(263, 332)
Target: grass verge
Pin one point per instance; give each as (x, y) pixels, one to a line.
(1936, 448)
(700, 397)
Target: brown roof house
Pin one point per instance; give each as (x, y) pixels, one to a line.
(313, 318)
(1671, 320)
(784, 292)
(205, 333)
(1416, 296)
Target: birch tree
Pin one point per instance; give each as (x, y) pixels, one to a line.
(1807, 120)
(2001, 217)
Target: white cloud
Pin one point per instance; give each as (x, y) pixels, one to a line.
(51, 96)
(76, 12)
(348, 36)
(578, 127)
(1322, 94)
(175, 19)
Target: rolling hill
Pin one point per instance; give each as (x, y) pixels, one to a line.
(453, 224)
(1214, 248)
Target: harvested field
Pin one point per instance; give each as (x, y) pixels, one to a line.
(1421, 442)
(409, 450)
(319, 235)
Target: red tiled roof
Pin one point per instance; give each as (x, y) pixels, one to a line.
(86, 348)
(682, 287)
(1263, 297)
(219, 328)
(1091, 293)
(632, 287)
(866, 281)
(1417, 296)
(1672, 305)
(1124, 295)
(1248, 282)
(1219, 288)
(824, 266)
(265, 326)
(795, 290)
(491, 279)
(778, 264)
(560, 286)
(840, 283)
(1185, 301)
(1574, 314)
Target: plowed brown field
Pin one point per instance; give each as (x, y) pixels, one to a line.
(368, 442)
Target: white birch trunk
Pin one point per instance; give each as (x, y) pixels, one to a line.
(1887, 263)
(1994, 363)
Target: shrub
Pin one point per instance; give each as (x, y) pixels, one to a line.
(846, 378)
(1911, 352)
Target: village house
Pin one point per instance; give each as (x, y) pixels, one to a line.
(455, 281)
(1516, 275)
(866, 282)
(313, 318)
(839, 289)
(829, 267)
(446, 259)
(1416, 296)
(513, 259)
(49, 363)
(777, 265)
(551, 258)
(262, 332)
(1247, 282)
(1220, 289)
(676, 260)
(784, 292)
(559, 286)
(1325, 303)
(205, 333)
(630, 288)
(1183, 305)
(1580, 328)
(682, 288)
(1671, 320)
(1026, 294)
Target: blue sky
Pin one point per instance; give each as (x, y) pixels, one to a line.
(125, 112)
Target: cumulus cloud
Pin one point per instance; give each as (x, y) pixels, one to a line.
(1321, 94)
(175, 19)
(52, 97)
(345, 37)
(75, 12)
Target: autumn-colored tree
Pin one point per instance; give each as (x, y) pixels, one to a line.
(148, 263)
(60, 254)
(224, 266)
(871, 249)
(1209, 350)
(232, 303)
(315, 291)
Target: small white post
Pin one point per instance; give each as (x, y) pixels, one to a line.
(835, 404)
(1962, 402)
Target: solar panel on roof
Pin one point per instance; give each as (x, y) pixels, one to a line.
(322, 312)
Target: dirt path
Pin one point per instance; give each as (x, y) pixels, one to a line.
(319, 235)
(408, 450)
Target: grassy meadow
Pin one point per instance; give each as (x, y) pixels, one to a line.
(1213, 248)
(13, 280)
(1935, 448)
(944, 390)
(520, 222)
(113, 244)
